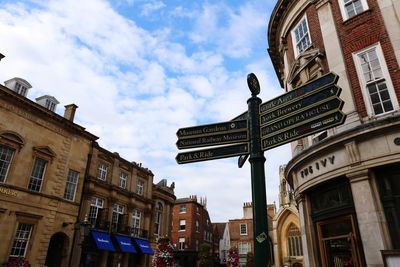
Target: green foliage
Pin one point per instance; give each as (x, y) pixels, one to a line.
(249, 259)
(205, 255)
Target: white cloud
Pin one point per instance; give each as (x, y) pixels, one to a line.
(153, 6)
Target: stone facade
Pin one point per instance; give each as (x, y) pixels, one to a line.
(43, 149)
(345, 179)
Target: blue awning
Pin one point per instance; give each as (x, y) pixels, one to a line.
(103, 241)
(144, 246)
(125, 244)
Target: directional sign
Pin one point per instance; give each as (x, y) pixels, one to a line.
(300, 104)
(212, 129)
(215, 139)
(303, 116)
(326, 80)
(212, 153)
(314, 126)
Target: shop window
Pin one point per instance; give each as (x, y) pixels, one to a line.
(6, 155)
(375, 81)
(301, 37)
(21, 240)
(351, 8)
(123, 177)
(71, 185)
(389, 189)
(243, 229)
(36, 179)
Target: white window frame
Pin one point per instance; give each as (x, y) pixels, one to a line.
(244, 248)
(95, 204)
(363, 83)
(295, 48)
(50, 105)
(37, 175)
(117, 211)
(245, 229)
(6, 157)
(123, 178)
(343, 10)
(182, 225)
(140, 187)
(157, 219)
(71, 185)
(181, 243)
(20, 89)
(102, 171)
(136, 218)
(21, 240)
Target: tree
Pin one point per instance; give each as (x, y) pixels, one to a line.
(164, 254)
(233, 257)
(204, 256)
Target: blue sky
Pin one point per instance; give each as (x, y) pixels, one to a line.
(139, 70)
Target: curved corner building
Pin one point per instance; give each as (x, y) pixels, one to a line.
(346, 179)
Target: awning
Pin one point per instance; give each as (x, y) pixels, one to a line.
(125, 244)
(103, 241)
(144, 246)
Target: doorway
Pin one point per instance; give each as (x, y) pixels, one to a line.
(338, 245)
(56, 253)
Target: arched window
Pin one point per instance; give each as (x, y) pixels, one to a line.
(157, 219)
(294, 242)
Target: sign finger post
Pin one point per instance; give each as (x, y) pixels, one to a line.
(308, 109)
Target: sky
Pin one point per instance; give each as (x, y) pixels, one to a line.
(139, 70)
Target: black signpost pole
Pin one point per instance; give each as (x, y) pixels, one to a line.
(257, 160)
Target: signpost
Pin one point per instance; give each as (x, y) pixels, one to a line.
(308, 109)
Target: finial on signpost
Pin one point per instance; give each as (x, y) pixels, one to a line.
(253, 84)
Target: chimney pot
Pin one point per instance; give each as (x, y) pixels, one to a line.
(69, 113)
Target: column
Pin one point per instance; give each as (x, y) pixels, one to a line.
(370, 218)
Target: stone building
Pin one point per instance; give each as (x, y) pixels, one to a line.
(288, 249)
(123, 206)
(346, 179)
(191, 228)
(42, 166)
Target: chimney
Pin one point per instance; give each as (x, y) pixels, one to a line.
(69, 113)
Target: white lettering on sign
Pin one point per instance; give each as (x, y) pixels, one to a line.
(103, 240)
(125, 243)
(317, 166)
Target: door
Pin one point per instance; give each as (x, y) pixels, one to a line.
(338, 242)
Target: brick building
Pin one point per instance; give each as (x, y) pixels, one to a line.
(345, 179)
(191, 228)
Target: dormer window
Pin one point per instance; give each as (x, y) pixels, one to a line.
(18, 85)
(48, 102)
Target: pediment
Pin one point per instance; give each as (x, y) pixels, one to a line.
(306, 61)
(45, 150)
(12, 137)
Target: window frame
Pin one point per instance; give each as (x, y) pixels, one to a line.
(26, 240)
(181, 243)
(140, 184)
(182, 208)
(118, 210)
(386, 77)
(74, 184)
(136, 218)
(296, 51)
(41, 178)
(245, 228)
(344, 12)
(5, 163)
(123, 179)
(96, 203)
(182, 225)
(102, 171)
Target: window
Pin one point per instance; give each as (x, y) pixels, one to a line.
(182, 225)
(21, 240)
(182, 208)
(243, 229)
(35, 182)
(181, 243)
(102, 172)
(375, 81)
(70, 187)
(140, 187)
(197, 226)
(95, 205)
(50, 105)
(118, 211)
(123, 177)
(20, 89)
(301, 37)
(136, 216)
(6, 155)
(244, 248)
(351, 8)
(157, 219)
(295, 247)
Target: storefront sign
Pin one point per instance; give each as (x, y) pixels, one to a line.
(8, 191)
(316, 166)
